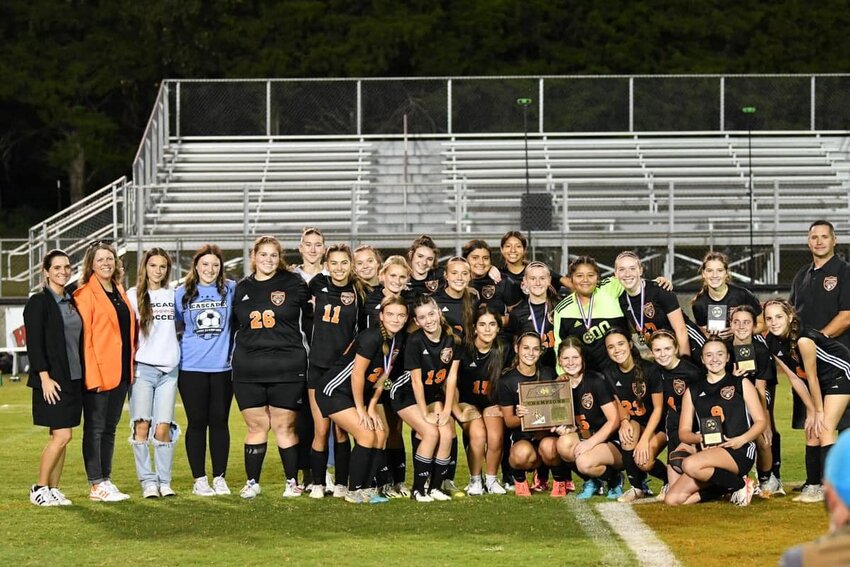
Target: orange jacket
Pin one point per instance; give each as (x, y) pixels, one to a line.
(102, 336)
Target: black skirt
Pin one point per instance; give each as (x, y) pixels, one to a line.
(67, 412)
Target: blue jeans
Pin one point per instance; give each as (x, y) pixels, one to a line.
(152, 397)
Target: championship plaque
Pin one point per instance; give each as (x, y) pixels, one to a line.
(549, 404)
(712, 431)
(716, 318)
(745, 358)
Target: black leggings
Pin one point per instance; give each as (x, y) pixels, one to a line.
(206, 398)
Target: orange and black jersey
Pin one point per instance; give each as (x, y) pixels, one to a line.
(369, 344)
(535, 317)
(336, 320)
(433, 359)
(433, 282)
(636, 398)
(508, 390)
(372, 305)
(723, 399)
(473, 379)
(657, 304)
(765, 366)
(452, 309)
(589, 395)
(674, 383)
(833, 360)
(735, 297)
(498, 296)
(270, 342)
(517, 278)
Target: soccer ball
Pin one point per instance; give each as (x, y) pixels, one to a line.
(208, 320)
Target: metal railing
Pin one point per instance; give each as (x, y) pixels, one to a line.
(150, 151)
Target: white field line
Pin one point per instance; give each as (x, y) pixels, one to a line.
(645, 545)
(612, 552)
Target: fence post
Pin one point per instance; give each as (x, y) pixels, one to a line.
(355, 211)
(245, 260)
(166, 115)
(114, 213)
(812, 126)
(776, 248)
(631, 104)
(722, 102)
(268, 108)
(458, 215)
(177, 117)
(671, 246)
(449, 106)
(565, 228)
(140, 218)
(359, 107)
(540, 105)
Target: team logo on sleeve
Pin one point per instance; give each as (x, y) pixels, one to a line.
(488, 291)
(649, 310)
(830, 283)
(446, 355)
(678, 386)
(278, 297)
(639, 390)
(587, 400)
(432, 285)
(346, 297)
(727, 392)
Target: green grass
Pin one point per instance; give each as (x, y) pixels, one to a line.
(488, 530)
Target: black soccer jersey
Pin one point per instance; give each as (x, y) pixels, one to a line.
(433, 359)
(723, 399)
(270, 344)
(517, 278)
(539, 318)
(735, 297)
(833, 359)
(473, 380)
(335, 323)
(434, 281)
(589, 396)
(765, 366)
(819, 294)
(647, 311)
(674, 383)
(452, 310)
(494, 295)
(635, 397)
(368, 344)
(508, 391)
(372, 304)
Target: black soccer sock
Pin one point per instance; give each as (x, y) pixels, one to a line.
(396, 459)
(776, 452)
(414, 441)
(727, 480)
(359, 467)
(560, 472)
(569, 469)
(518, 475)
(543, 473)
(381, 471)
(824, 451)
(421, 472)
(580, 474)
(636, 476)
(612, 477)
(507, 470)
(319, 465)
(289, 458)
(763, 476)
(813, 470)
(452, 461)
(342, 458)
(710, 493)
(659, 471)
(441, 472)
(254, 457)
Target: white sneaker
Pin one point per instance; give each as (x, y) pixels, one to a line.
(449, 487)
(631, 495)
(59, 497)
(340, 490)
(114, 489)
(102, 493)
(166, 490)
(439, 495)
(150, 490)
(292, 489)
(42, 496)
(771, 487)
(220, 487)
(420, 497)
(318, 491)
(329, 482)
(493, 487)
(202, 487)
(476, 486)
(744, 496)
(355, 497)
(250, 490)
(811, 493)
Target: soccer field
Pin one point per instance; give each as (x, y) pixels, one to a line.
(490, 530)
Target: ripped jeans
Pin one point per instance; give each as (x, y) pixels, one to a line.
(152, 397)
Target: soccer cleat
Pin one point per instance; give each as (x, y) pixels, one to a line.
(631, 495)
(663, 493)
(389, 491)
(780, 490)
(559, 489)
(150, 490)
(539, 485)
(340, 490)
(355, 497)
(614, 492)
(493, 487)
(329, 482)
(771, 487)
(449, 487)
(521, 488)
(166, 490)
(647, 491)
(42, 496)
(744, 495)
(375, 497)
(569, 486)
(439, 495)
(250, 490)
(102, 493)
(589, 490)
(811, 493)
(402, 489)
(476, 486)
(59, 497)
(420, 497)
(317, 491)
(293, 490)
(202, 487)
(114, 489)
(219, 486)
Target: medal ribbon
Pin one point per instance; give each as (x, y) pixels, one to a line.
(639, 323)
(388, 359)
(586, 319)
(540, 330)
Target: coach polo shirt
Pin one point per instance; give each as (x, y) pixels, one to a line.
(819, 294)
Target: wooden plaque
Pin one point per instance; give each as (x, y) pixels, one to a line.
(550, 404)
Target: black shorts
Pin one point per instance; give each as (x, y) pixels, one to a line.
(284, 395)
(66, 413)
(402, 398)
(341, 399)
(314, 376)
(745, 457)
